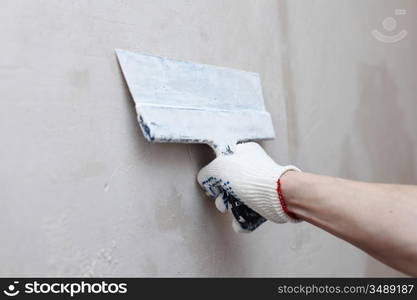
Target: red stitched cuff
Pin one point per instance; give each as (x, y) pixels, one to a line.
(282, 202)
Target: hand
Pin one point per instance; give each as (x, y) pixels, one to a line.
(246, 183)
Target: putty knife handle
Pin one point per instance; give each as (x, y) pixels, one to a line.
(224, 148)
(247, 218)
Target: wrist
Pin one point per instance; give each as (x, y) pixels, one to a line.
(262, 192)
(283, 202)
(296, 189)
(288, 186)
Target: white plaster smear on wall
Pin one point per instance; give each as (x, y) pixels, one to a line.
(83, 194)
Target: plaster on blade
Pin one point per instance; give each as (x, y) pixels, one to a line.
(183, 102)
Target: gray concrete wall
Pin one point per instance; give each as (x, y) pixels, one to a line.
(83, 194)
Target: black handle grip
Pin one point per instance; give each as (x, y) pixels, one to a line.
(245, 216)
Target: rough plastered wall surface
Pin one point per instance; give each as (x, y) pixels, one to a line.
(83, 194)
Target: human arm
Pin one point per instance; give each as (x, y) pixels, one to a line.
(380, 219)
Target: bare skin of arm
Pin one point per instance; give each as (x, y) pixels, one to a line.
(380, 219)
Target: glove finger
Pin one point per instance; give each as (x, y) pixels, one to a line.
(214, 191)
(237, 228)
(211, 191)
(219, 202)
(211, 187)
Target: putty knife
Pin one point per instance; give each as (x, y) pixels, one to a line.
(183, 102)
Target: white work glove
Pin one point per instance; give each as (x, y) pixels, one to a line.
(245, 182)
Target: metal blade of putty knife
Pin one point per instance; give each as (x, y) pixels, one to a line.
(184, 102)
